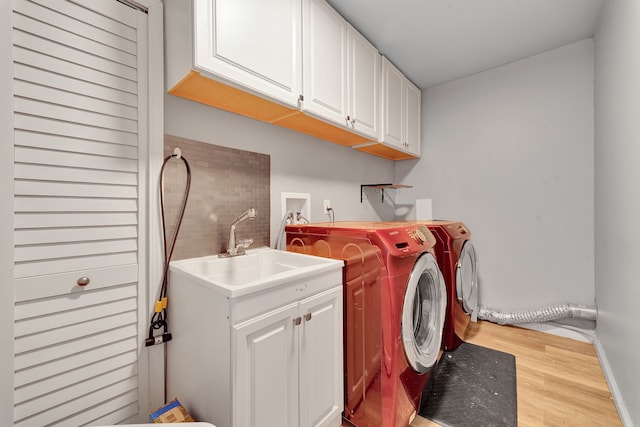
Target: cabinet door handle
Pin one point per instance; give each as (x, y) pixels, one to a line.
(297, 321)
(353, 123)
(307, 317)
(347, 120)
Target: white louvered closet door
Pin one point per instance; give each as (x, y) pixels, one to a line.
(76, 211)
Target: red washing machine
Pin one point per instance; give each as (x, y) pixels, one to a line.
(394, 310)
(457, 260)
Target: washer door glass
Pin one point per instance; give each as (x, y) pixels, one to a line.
(467, 280)
(423, 314)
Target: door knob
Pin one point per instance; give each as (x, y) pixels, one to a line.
(83, 281)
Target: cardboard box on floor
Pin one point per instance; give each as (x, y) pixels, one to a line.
(172, 412)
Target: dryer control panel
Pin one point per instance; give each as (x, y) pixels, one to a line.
(407, 240)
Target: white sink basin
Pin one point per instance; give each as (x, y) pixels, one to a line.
(258, 269)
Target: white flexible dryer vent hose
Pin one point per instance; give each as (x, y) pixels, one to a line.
(537, 315)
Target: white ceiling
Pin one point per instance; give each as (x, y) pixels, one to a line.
(436, 41)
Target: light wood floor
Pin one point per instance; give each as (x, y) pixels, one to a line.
(560, 381)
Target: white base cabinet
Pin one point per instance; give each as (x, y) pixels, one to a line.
(268, 359)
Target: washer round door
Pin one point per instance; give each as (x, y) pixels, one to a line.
(467, 280)
(423, 314)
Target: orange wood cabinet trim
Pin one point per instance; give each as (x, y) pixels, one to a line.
(198, 88)
(315, 127)
(384, 151)
(204, 90)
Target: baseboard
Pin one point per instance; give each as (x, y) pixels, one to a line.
(613, 385)
(577, 330)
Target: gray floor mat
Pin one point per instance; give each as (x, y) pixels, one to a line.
(472, 386)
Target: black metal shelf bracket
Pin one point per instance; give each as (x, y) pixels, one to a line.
(381, 187)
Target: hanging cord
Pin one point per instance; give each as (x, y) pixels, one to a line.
(332, 215)
(159, 317)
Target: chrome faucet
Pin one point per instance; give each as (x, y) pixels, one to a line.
(235, 247)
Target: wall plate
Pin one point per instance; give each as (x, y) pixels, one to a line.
(296, 202)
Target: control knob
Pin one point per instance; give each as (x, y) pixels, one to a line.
(418, 236)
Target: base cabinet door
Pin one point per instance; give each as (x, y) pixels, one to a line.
(288, 365)
(321, 356)
(266, 370)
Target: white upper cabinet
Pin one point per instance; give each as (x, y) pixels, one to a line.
(251, 43)
(413, 104)
(392, 126)
(293, 63)
(341, 71)
(325, 62)
(364, 80)
(401, 104)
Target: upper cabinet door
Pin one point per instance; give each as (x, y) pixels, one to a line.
(413, 107)
(392, 104)
(325, 61)
(364, 84)
(341, 71)
(252, 43)
(401, 110)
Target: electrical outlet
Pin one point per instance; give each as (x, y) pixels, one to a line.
(325, 206)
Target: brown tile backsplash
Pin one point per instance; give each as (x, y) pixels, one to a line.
(225, 182)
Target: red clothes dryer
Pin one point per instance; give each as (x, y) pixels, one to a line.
(457, 260)
(394, 302)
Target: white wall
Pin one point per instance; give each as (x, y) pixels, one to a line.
(299, 163)
(617, 213)
(510, 153)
